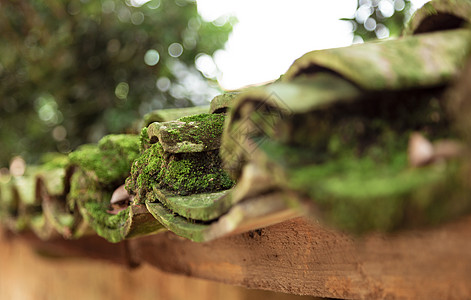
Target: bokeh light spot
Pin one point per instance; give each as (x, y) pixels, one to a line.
(137, 18)
(48, 112)
(163, 84)
(73, 8)
(175, 50)
(370, 24)
(121, 91)
(381, 31)
(387, 8)
(124, 14)
(59, 133)
(363, 13)
(136, 3)
(17, 166)
(107, 7)
(113, 46)
(154, 4)
(152, 57)
(205, 64)
(399, 5)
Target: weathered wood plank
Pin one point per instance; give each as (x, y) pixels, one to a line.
(91, 247)
(24, 275)
(302, 257)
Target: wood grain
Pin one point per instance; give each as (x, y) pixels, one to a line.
(301, 257)
(27, 276)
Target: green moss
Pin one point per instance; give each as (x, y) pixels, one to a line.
(359, 197)
(360, 194)
(351, 160)
(144, 141)
(110, 160)
(102, 218)
(192, 134)
(195, 173)
(182, 173)
(83, 188)
(144, 172)
(93, 200)
(165, 115)
(203, 118)
(176, 164)
(52, 161)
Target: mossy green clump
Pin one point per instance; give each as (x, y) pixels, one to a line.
(126, 143)
(195, 173)
(170, 114)
(195, 133)
(144, 172)
(144, 140)
(359, 197)
(207, 119)
(181, 173)
(54, 160)
(93, 202)
(168, 164)
(352, 160)
(102, 218)
(110, 160)
(83, 188)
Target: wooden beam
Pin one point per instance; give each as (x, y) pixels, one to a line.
(91, 247)
(301, 257)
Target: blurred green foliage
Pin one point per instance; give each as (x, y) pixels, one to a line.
(380, 18)
(73, 71)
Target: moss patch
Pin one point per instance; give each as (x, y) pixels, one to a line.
(194, 173)
(110, 160)
(351, 159)
(192, 134)
(181, 173)
(144, 172)
(164, 115)
(54, 160)
(93, 201)
(103, 219)
(144, 140)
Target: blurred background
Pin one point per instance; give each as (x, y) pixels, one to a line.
(73, 71)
